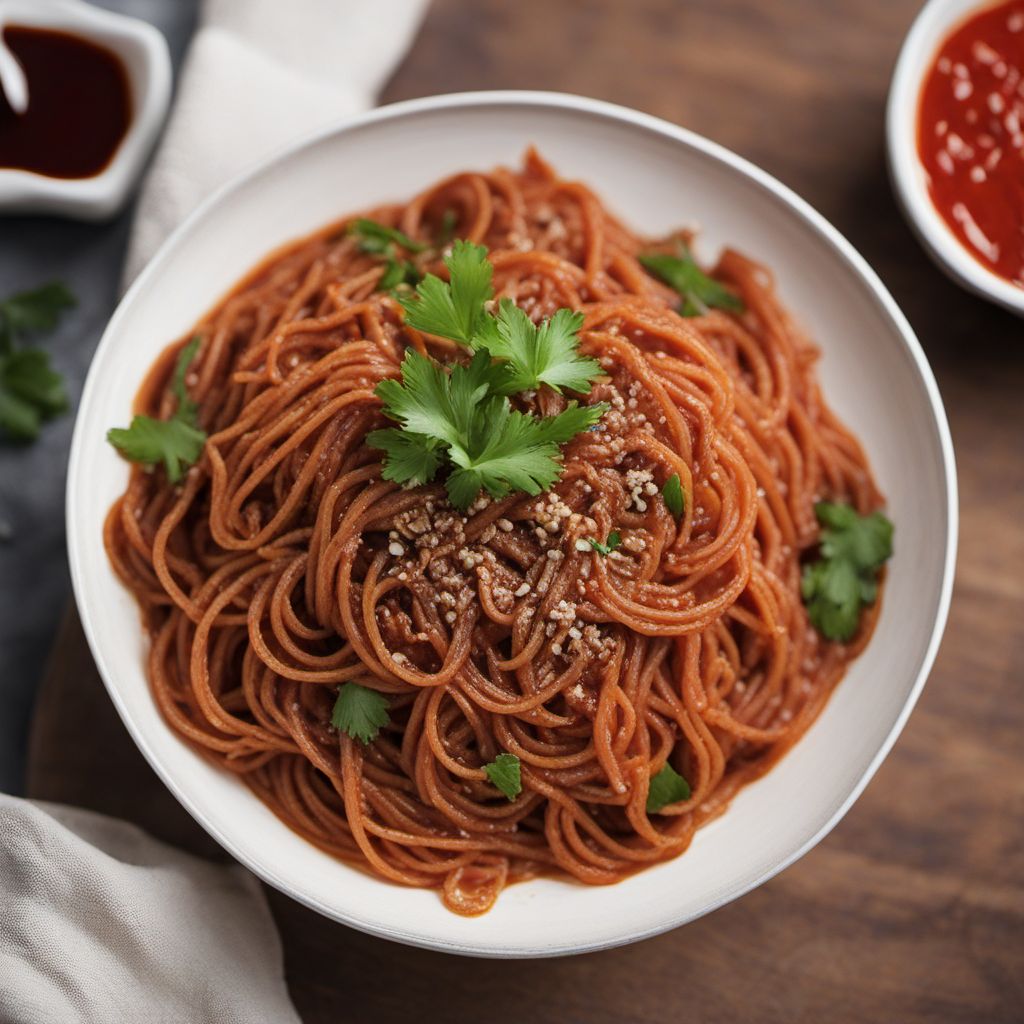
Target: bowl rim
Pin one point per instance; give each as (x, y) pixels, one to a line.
(149, 81)
(930, 28)
(619, 114)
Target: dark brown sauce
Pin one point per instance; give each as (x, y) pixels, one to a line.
(79, 105)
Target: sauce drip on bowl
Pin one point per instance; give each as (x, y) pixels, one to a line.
(971, 136)
(79, 105)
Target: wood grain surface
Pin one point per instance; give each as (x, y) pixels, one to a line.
(913, 909)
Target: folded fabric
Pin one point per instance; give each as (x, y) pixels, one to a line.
(99, 922)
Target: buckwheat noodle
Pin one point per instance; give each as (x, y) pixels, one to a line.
(269, 575)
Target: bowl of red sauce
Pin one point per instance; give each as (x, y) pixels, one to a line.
(955, 136)
(98, 87)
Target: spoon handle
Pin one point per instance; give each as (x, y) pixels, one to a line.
(13, 83)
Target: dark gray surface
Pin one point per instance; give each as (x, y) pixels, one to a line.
(34, 586)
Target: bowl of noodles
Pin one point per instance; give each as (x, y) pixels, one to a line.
(511, 524)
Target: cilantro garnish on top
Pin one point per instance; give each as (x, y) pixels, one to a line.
(533, 354)
(454, 417)
(844, 580)
(698, 291)
(360, 712)
(461, 416)
(505, 773)
(380, 240)
(176, 442)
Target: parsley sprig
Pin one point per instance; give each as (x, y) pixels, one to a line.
(667, 787)
(176, 442)
(380, 240)
(360, 712)
(504, 772)
(844, 580)
(613, 541)
(698, 291)
(446, 229)
(454, 417)
(532, 354)
(31, 391)
(461, 418)
(675, 501)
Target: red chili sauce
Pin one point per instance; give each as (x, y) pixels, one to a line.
(970, 136)
(79, 105)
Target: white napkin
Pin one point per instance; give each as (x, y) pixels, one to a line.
(99, 922)
(260, 74)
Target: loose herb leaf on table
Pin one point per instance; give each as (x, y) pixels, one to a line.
(31, 391)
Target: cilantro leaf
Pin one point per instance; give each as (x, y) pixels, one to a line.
(505, 774)
(398, 272)
(697, 290)
(613, 541)
(465, 412)
(544, 354)
(844, 580)
(27, 374)
(453, 309)
(446, 230)
(176, 442)
(428, 400)
(377, 238)
(30, 389)
(173, 442)
(360, 712)
(533, 354)
(490, 445)
(410, 458)
(672, 492)
(864, 540)
(667, 787)
(380, 240)
(19, 418)
(187, 409)
(520, 452)
(30, 392)
(35, 310)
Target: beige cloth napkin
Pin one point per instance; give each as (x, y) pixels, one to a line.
(260, 74)
(99, 922)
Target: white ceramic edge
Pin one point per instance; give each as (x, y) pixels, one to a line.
(649, 123)
(147, 62)
(931, 26)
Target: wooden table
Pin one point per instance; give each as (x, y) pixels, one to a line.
(913, 909)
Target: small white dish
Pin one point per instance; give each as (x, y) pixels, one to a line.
(655, 176)
(936, 20)
(143, 51)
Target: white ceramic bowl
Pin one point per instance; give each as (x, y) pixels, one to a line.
(936, 20)
(143, 51)
(656, 176)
